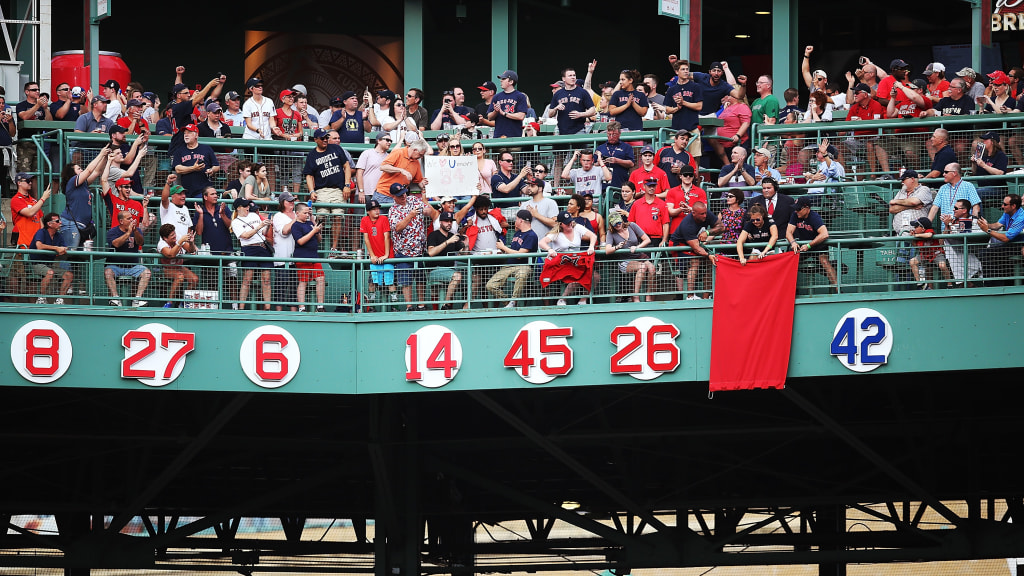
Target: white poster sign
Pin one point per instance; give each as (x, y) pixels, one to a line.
(451, 176)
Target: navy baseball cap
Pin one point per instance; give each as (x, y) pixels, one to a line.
(511, 75)
(447, 217)
(908, 173)
(647, 149)
(388, 94)
(242, 203)
(862, 87)
(347, 94)
(232, 96)
(524, 215)
(803, 202)
(253, 82)
(117, 129)
(320, 134)
(716, 65)
(372, 204)
(398, 190)
(564, 217)
(488, 85)
(178, 88)
(24, 176)
(113, 84)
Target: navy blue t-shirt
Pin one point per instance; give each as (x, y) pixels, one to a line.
(943, 157)
(668, 155)
(762, 234)
(129, 247)
(43, 236)
(79, 201)
(807, 228)
(522, 240)
(351, 130)
(629, 118)
(685, 118)
(508, 103)
(327, 167)
(620, 150)
(181, 116)
(712, 94)
(576, 99)
(309, 249)
(194, 182)
(215, 232)
(74, 110)
(689, 228)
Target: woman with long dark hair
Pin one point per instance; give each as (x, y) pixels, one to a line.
(76, 224)
(628, 105)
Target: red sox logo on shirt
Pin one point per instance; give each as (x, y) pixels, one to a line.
(570, 259)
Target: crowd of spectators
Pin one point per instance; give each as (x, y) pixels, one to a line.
(659, 201)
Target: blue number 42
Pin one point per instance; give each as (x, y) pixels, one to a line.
(848, 334)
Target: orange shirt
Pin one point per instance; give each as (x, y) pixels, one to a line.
(27, 226)
(399, 158)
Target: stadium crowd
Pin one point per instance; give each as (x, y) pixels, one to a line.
(659, 200)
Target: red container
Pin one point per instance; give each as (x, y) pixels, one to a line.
(66, 66)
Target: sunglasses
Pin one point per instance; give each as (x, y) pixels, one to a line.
(505, 160)
(478, 149)
(541, 171)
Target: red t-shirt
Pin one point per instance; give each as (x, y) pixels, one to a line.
(140, 126)
(27, 226)
(638, 176)
(874, 111)
(939, 88)
(375, 232)
(649, 217)
(676, 197)
(116, 205)
(290, 124)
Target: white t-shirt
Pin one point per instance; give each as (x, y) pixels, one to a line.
(168, 261)
(179, 216)
(246, 223)
(490, 229)
(324, 118)
(284, 246)
(587, 181)
(561, 243)
(113, 109)
(547, 208)
(261, 113)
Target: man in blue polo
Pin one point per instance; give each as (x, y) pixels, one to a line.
(329, 179)
(508, 108)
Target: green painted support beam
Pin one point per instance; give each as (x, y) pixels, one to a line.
(502, 36)
(785, 73)
(412, 47)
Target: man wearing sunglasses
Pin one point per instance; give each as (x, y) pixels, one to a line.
(368, 167)
(68, 105)
(33, 107)
(419, 114)
(447, 114)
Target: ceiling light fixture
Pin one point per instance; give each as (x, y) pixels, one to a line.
(570, 505)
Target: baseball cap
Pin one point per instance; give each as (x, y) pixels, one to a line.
(447, 199)
(524, 215)
(320, 134)
(177, 189)
(919, 83)
(651, 181)
(488, 85)
(149, 96)
(614, 218)
(300, 89)
(990, 135)
(178, 88)
(686, 170)
(96, 99)
(192, 128)
(821, 73)
(898, 63)
(337, 101)
(909, 173)
(862, 87)
(213, 107)
(564, 217)
(647, 149)
(447, 217)
(511, 75)
(134, 102)
(286, 196)
(241, 203)
(763, 152)
(76, 92)
(347, 94)
(24, 176)
(232, 96)
(803, 202)
(684, 133)
(385, 93)
(933, 68)
(967, 72)
(285, 92)
(715, 65)
(558, 84)
(923, 222)
(114, 84)
(117, 129)
(380, 136)
(398, 190)
(372, 204)
(999, 77)
(608, 84)
(123, 182)
(253, 82)
(534, 181)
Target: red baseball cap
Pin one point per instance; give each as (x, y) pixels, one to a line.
(286, 92)
(999, 77)
(192, 128)
(124, 182)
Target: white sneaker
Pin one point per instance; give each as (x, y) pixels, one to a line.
(511, 304)
(582, 302)
(302, 308)
(561, 302)
(115, 302)
(40, 300)
(59, 301)
(139, 303)
(693, 297)
(319, 308)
